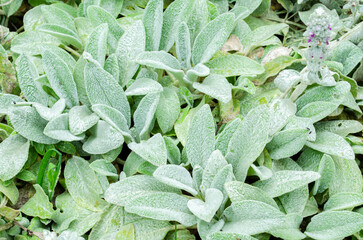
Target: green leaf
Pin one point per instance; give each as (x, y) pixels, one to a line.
(201, 139)
(153, 229)
(234, 65)
(144, 114)
(97, 43)
(160, 60)
(103, 139)
(83, 185)
(327, 172)
(238, 191)
(228, 236)
(81, 119)
(143, 86)
(341, 201)
(340, 127)
(334, 225)
(286, 181)
(12, 7)
(38, 205)
(173, 150)
(153, 22)
(206, 210)
(168, 109)
(112, 218)
(58, 128)
(333, 144)
(317, 110)
(60, 78)
(7, 102)
(132, 42)
(102, 88)
(113, 117)
(175, 176)
(62, 33)
(176, 12)
(214, 165)
(251, 217)
(249, 140)
(32, 42)
(183, 46)
(152, 150)
(27, 73)
(260, 34)
(55, 15)
(123, 191)
(13, 155)
(212, 38)
(28, 123)
(347, 178)
(162, 206)
(287, 143)
(98, 16)
(104, 168)
(53, 112)
(225, 136)
(215, 86)
(112, 6)
(10, 191)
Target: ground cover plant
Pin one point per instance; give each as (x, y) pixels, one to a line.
(185, 119)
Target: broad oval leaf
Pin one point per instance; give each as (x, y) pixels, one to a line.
(27, 73)
(60, 78)
(251, 217)
(97, 43)
(153, 22)
(234, 65)
(341, 201)
(176, 12)
(13, 155)
(58, 128)
(103, 139)
(152, 150)
(287, 143)
(83, 185)
(212, 38)
(102, 88)
(334, 225)
(333, 144)
(123, 191)
(200, 140)
(215, 86)
(168, 109)
(143, 86)
(286, 181)
(162, 206)
(175, 176)
(28, 123)
(81, 119)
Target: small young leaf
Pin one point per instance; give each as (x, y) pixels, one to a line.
(215, 86)
(168, 109)
(38, 205)
(175, 176)
(206, 210)
(103, 139)
(152, 150)
(81, 119)
(58, 128)
(13, 155)
(97, 43)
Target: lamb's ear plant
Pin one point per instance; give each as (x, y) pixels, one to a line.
(160, 119)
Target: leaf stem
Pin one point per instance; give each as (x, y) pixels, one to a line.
(74, 52)
(30, 232)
